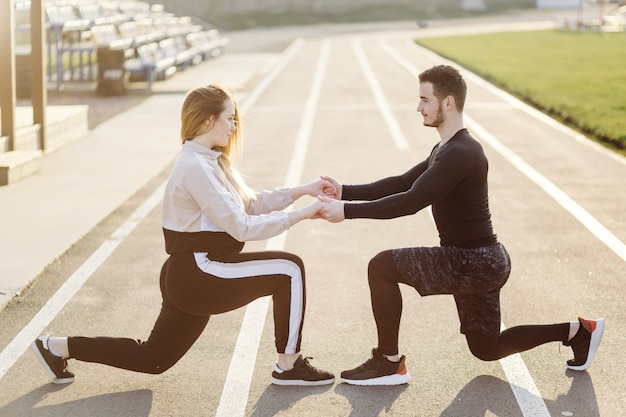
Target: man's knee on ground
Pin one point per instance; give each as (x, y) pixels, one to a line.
(484, 355)
(482, 347)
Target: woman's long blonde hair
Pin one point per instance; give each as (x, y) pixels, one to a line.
(200, 105)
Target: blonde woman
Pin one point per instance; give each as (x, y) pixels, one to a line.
(208, 214)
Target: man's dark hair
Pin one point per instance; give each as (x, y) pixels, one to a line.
(446, 81)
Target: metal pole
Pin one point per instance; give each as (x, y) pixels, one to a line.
(7, 71)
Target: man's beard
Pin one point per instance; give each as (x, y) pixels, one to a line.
(438, 118)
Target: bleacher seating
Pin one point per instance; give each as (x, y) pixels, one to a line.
(210, 43)
(151, 64)
(107, 36)
(97, 15)
(141, 31)
(155, 43)
(70, 36)
(184, 56)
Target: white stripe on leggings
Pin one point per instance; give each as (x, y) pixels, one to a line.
(255, 270)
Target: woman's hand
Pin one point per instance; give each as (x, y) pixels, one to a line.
(336, 185)
(322, 186)
(309, 212)
(332, 210)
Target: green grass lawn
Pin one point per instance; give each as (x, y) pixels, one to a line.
(576, 77)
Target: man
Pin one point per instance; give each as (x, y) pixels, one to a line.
(470, 264)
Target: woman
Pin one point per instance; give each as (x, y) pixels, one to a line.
(208, 214)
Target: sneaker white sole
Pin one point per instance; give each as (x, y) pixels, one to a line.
(596, 336)
(300, 382)
(395, 379)
(45, 365)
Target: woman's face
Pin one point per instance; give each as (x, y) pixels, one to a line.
(222, 126)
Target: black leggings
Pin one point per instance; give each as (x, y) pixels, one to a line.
(515, 340)
(384, 278)
(193, 288)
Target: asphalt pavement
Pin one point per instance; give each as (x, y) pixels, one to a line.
(343, 104)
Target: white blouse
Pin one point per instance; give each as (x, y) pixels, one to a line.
(199, 198)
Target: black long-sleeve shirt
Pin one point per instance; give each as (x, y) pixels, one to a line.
(453, 179)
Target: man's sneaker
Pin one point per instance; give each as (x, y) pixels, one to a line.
(55, 366)
(378, 370)
(585, 343)
(302, 373)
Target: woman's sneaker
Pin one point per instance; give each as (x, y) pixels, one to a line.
(378, 370)
(585, 343)
(302, 373)
(55, 366)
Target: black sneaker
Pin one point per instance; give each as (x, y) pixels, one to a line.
(302, 373)
(378, 370)
(55, 366)
(585, 343)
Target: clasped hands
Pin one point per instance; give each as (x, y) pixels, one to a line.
(328, 205)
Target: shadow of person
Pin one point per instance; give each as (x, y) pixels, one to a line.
(484, 393)
(369, 401)
(136, 403)
(277, 398)
(488, 393)
(580, 400)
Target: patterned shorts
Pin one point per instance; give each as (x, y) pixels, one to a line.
(473, 276)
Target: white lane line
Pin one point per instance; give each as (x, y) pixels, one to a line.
(522, 384)
(49, 311)
(291, 51)
(379, 96)
(237, 387)
(526, 393)
(565, 201)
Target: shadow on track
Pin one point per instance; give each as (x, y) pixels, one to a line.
(370, 401)
(136, 403)
(488, 393)
(276, 399)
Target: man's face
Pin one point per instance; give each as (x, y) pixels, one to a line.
(429, 106)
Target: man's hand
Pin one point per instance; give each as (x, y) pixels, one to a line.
(336, 185)
(332, 210)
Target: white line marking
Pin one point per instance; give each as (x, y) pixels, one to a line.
(523, 386)
(237, 387)
(379, 96)
(285, 59)
(528, 396)
(48, 312)
(582, 215)
(404, 63)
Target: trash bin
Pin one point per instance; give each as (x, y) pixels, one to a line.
(112, 76)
